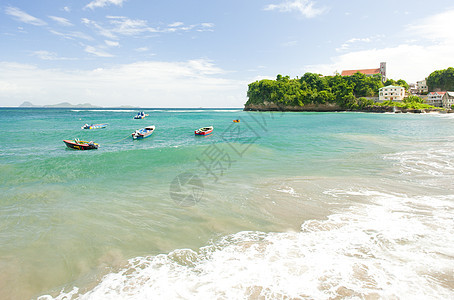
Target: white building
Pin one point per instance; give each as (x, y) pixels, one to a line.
(391, 92)
(421, 86)
(448, 100)
(412, 89)
(435, 98)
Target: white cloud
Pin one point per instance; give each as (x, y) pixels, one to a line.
(142, 49)
(102, 3)
(101, 30)
(179, 26)
(205, 27)
(72, 35)
(176, 24)
(304, 7)
(126, 26)
(122, 26)
(67, 9)
(98, 52)
(436, 28)
(61, 21)
(192, 83)
(22, 16)
(430, 49)
(46, 55)
(290, 43)
(408, 62)
(350, 42)
(112, 43)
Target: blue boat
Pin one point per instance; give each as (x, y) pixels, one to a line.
(143, 133)
(94, 126)
(141, 115)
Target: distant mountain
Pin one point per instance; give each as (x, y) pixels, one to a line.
(27, 104)
(69, 105)
(60, 105)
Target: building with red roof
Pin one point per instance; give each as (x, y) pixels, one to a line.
(435, 98)
(368, 72)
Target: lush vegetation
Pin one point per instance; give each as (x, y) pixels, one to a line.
(348, 92)
(412, 102)
(399, 82)
(442, 80)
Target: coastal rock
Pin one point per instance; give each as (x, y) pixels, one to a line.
(332, 107)
(270, 106)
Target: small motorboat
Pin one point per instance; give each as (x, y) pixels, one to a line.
(236, 121)
(94, 126)
(143, 133)
(141, 115)
(204, 131)
(81, 145)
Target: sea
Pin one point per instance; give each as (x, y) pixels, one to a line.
(293, 205)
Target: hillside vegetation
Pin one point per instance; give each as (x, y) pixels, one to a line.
(346, 92)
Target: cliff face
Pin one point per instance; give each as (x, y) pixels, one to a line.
(327, 107)
(270, 106)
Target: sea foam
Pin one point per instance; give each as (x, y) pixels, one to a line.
(390, 246)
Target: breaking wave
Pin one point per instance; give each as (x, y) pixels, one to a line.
(385, 245)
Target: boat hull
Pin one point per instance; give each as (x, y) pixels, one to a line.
(95, 126)
(204, 131)
(143, 133)
(140, 137)
(81, 145)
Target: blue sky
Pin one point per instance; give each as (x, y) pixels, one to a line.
(204, 53)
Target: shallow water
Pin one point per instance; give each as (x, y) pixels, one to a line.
(280, 205)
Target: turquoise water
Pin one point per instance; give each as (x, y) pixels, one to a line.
(314, 205)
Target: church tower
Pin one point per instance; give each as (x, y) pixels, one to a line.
(383, 71)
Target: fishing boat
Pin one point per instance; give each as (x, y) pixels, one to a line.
(143, 133)
(94, 126)
(81, 145)
(141, 115)
(204, 131)
(236, 121)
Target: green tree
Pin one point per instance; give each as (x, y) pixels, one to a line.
(413, 99)
(399, 82)
(314, 88)
(441, 80)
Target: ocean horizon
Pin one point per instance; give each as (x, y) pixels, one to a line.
(294, 205)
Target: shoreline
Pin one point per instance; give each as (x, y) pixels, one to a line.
(337, 108)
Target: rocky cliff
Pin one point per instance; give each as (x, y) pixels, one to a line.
(331, 107)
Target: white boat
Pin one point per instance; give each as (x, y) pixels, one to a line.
(204, 131)
(143, 132)
(94, 126)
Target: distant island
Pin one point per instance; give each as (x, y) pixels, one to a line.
(69, 105)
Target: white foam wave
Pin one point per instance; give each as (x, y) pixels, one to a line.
(160, 110)
(432, 162)
(392, 247)
(445, 116)
(288, 190)
(227, 110)
(104, 110)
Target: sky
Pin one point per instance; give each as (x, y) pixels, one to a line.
(204, 53)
